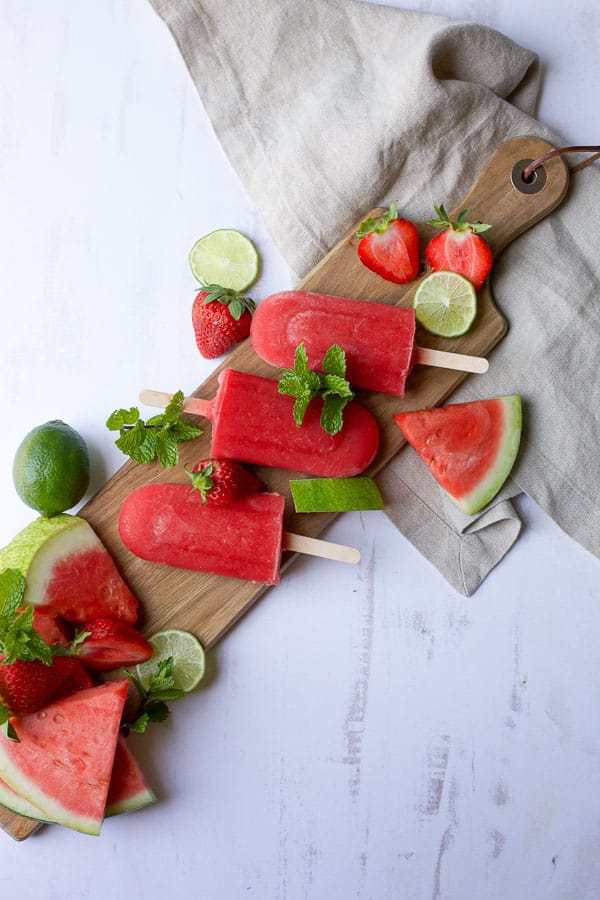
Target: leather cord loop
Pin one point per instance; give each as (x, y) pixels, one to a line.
(595, 150)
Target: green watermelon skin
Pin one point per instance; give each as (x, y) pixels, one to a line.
(128, 790)
(69, 572)
(18, 804)
(470, 448)
(63, 762)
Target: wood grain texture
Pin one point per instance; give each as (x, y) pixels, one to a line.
(209, 605)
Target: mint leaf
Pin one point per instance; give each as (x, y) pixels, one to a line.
(332, 419)
(121, 417)
(166, 449)
(185, 431)
(334, 361)
(129, 441)
(147, 450)
(301, 404)
(140, 724)
(335, 384)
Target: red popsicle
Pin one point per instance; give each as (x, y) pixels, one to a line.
(252, 422)
(169, 524)
(379, 339)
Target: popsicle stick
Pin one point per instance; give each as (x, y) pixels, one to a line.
(193, 405)
(458, 361)
(299, 543)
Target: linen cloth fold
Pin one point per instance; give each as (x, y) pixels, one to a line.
(327, 108)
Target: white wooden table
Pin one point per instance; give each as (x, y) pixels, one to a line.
(368, 733)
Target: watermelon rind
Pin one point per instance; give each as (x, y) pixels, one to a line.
(131, 804)
(47, 544)
(18, 804)
(473, 502)
(51, 811)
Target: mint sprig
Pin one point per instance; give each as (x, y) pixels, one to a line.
(161, 688)
(237, 303)
(378, 224)
(444, 221)
(18, 638)
(304, 385)
(158, 437)
(5, 725)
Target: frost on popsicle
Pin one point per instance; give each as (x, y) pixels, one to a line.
(304, 385)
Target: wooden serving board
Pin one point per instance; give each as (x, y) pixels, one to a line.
(209, 605)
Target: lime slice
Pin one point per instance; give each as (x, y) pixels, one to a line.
(188, 658)
(335, 494)
(225, 257)
(446, 304)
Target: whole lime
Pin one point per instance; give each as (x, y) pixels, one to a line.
(51, 470)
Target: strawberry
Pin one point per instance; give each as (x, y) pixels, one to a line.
(26, 687)
(223, 481)
(459, 248)
(390, 246)
(112, 644)
(50, 628)
(221, 319)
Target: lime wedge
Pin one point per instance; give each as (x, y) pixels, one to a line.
(335, 494)
(446, 304)
(188, 658)
(225, 257)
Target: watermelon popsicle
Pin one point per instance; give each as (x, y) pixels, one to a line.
(169, 524)
(252, 422)
(379, 339)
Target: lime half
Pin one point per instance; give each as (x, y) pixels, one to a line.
(188, 658)
(225, 257)
(446, 304)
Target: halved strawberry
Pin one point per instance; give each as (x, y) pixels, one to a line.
(223, 481)
(112, 644)
(50, 628)
(389, 246)
(460, 248)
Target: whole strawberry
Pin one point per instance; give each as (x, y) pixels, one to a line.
(389, 246)
(221, 319)
(26, 686)
(460, 248)
(223, 481)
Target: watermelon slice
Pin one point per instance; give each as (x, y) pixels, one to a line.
(128, 790)
(470, 448)
(63, 761)
(68, 570)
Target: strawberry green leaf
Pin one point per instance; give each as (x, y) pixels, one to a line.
(378, 224)
(202, 481)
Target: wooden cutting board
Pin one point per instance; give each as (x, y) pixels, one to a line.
(209, 605)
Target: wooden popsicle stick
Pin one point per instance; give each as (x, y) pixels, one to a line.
(458, 361)
(193, 405)
(299, 543)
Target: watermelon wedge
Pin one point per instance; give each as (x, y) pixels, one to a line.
(470, 448)
(128, 790)
(69, 572)
(63, 761)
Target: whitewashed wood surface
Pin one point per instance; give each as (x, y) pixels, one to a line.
(367, 733)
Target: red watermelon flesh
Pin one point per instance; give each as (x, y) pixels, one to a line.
(470, 448)
(63, 761)
(69, 572)
(128, 789)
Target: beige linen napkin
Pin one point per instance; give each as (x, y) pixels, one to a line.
(327, 108)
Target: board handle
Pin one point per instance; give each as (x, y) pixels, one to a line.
(194, 405)
(299, 543)
(458, 361)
